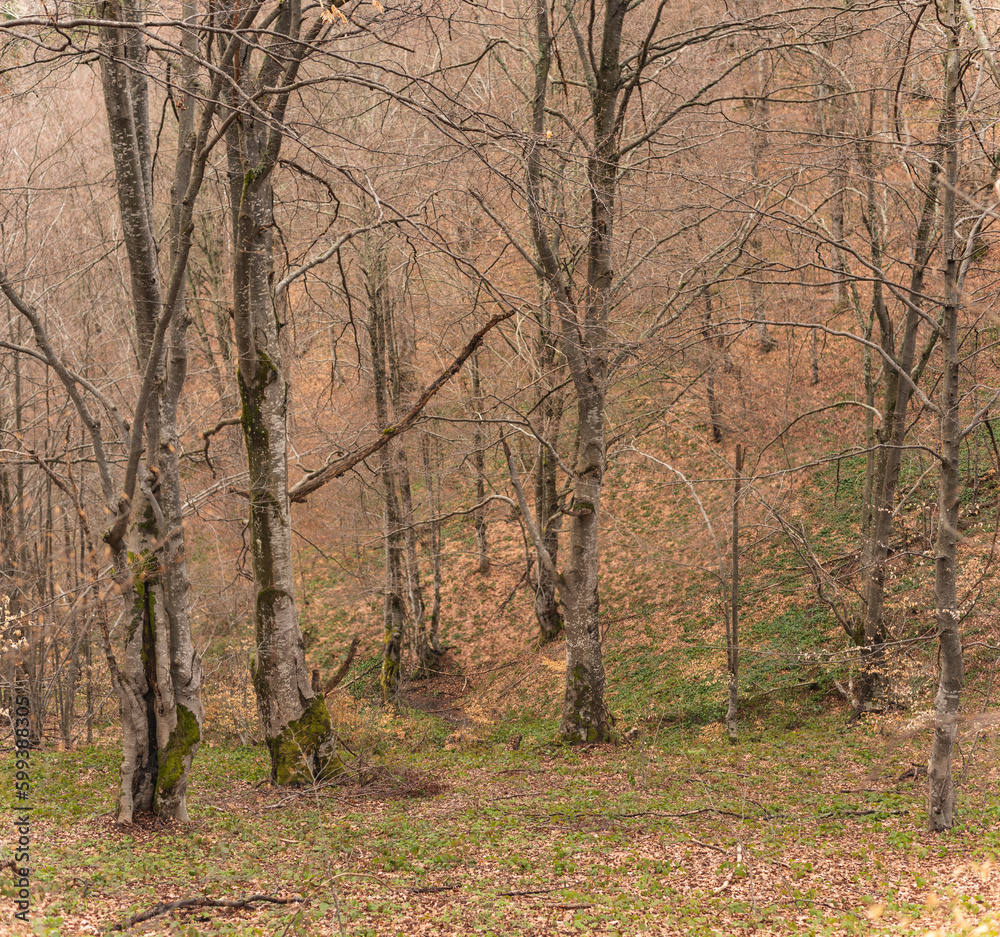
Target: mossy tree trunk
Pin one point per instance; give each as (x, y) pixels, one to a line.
(160, 675)
(296, 723)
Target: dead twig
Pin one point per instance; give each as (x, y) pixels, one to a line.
(530, 891)
(732, 871)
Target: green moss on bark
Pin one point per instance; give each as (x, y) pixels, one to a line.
(304, 751)
(584, 719)
(181, 744)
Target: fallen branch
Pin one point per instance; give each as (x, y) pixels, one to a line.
(529, 891)
(732, 871)
(189, 903)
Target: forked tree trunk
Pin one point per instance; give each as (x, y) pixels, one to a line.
(583, 331)
(160, 685)
(890, 436)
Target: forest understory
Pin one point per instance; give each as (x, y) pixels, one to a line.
(475, 468)
(460, 811)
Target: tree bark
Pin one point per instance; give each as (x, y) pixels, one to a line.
(583, 332)
(479, 463)
(548, 516)
(160, 687)
(394, 605)
(941, 794)
(296, 723)
(732, 631)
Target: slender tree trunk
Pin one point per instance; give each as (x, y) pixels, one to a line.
(732, 632)
(479, 463)
(549, 520)
(711, 344)
(941, 796)
(431, 458)
(759, 107)
(394, 606)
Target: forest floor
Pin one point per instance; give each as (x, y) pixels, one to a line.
(815, 828)
(462, 814)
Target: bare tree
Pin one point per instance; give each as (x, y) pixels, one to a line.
(296, 722)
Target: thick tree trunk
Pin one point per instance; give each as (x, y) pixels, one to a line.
(583, 330)
(296, 723)
(160, 685)
(122, 81)
(585, 716)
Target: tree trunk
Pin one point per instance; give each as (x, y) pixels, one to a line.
(583, 331)
(890, 437)
(732, 631)
(296, 723)
(759, 107)
(549, 520)
(479, 463)
(585, 717)
(160, 683)
(941, 795)
(431, 460)
(394, 605)
(713, 345)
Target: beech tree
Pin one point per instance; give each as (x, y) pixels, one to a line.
(158, 679)
(296, 723)
(605, 51)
